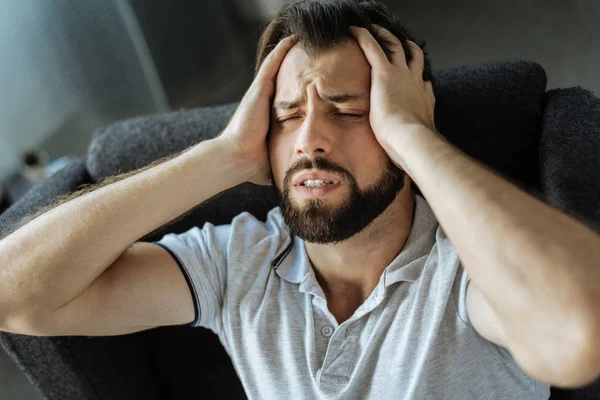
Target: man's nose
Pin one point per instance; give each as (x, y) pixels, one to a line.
(315, 136)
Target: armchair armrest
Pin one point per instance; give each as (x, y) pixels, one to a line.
(76, 367)
(569, 149)
(64, 181)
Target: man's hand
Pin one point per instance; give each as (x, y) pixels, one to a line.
(546, 282)
(399, 96)
(247, 130)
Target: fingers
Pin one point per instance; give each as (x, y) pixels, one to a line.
(429, 88)
(398, 55)
(417, 64)
(270, 66)
(370, 47)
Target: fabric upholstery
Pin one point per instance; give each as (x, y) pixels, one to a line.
(569, 153)
(76, 367)
(64, 181)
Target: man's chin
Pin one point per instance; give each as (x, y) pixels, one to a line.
(321, 205)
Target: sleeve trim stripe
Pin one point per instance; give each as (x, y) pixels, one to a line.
(189, 282)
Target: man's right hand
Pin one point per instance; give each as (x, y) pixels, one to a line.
(247, 130)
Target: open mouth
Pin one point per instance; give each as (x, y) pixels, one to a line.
(316, 191)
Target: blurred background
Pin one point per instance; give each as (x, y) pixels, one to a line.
(68, 68)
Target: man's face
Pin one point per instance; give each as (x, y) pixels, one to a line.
(320, 124)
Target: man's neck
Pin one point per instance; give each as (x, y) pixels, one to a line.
(350, 270)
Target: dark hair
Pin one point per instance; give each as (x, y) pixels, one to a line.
(319, 25)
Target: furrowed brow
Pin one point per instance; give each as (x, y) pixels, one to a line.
(345, 98)
(337, 99)
(286, 105)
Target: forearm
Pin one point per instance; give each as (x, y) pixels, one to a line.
(537, 267)
(56, 256)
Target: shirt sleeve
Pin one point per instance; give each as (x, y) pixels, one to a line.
(462, 283)
(201, 254)
(460, 279)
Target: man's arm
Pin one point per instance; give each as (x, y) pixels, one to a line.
(534, 271)
(49, 263)
(52, 259)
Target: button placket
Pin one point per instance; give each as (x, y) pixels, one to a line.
(327, 331)
(339, 358)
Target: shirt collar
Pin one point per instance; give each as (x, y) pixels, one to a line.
(293, 264)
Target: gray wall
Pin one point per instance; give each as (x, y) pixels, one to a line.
(563, 36)
(67, 68)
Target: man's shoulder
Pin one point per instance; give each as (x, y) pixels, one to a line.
(246, 220)
(248, 229)
(253, 246)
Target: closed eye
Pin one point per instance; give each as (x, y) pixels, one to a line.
(346, 115)
(282, 120)
(349, 115)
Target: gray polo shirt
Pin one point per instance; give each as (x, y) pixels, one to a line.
(254, 286)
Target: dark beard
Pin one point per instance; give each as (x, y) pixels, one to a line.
(316, 222)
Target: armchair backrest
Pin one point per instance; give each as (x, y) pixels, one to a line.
(492, 112)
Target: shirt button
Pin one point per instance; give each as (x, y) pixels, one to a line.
(327, 331)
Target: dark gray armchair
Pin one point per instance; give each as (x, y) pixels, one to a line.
(547, 142)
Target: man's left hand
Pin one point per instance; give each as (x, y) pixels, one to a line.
(399, 96)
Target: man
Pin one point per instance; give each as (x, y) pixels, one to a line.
(351, 288)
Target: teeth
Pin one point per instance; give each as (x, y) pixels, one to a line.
(316, 182)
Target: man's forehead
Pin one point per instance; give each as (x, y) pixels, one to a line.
(338, 72)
